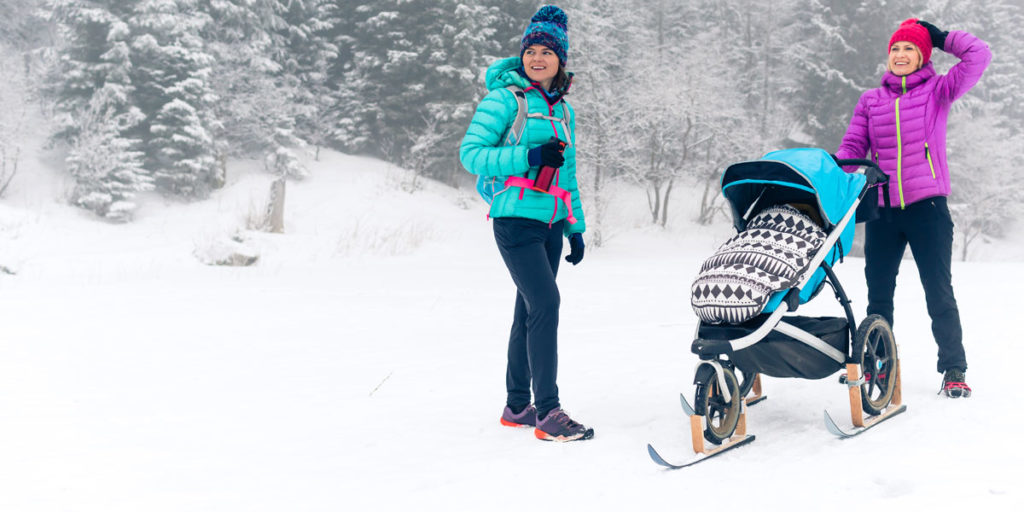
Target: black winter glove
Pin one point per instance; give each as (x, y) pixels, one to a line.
(938, 36)
(546, 154)
(576, 247)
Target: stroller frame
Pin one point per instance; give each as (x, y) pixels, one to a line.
(720, 397)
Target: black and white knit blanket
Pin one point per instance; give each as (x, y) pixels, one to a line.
(770, 255)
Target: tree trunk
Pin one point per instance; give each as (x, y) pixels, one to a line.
(706, 212)
(664, 203)
(654, 204)
(275, 210)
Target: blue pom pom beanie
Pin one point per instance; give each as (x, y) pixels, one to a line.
(548, 28)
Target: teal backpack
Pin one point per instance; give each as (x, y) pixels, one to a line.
(490, 186)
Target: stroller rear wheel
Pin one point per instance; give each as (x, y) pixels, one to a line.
(877, 362)
(721, 416)
(746, 381)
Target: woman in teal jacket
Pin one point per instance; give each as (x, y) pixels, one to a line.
(529, 222)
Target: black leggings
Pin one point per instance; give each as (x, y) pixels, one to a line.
(531, 250)
(928, 228)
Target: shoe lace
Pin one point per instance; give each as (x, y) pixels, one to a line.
(563, 419)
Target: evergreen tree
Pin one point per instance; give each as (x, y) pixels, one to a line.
(93, 52)
(840, 53)
(92, 88)
(998, 23)
(106, 165)
(171, 73)
(256, 107)
(416, 64)
(306, 56)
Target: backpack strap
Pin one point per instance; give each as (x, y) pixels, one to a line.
(515, 133)
(565, 122)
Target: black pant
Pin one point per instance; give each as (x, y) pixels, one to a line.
(531, 250)
(928, 228)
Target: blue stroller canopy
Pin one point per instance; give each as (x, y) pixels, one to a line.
(801, 174)
(804, 175)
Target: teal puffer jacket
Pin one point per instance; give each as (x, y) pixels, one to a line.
(482, 152)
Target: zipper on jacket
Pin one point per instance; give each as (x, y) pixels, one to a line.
(904, 84)
(928, 155)
(899, 153)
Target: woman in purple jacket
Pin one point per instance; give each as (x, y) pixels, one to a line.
(902, 127)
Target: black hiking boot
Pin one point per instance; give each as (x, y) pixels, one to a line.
(954, 385)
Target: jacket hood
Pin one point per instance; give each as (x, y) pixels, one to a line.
(894, 83)
(503, 73)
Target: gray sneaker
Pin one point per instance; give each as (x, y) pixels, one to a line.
(526, 418)
(558, 426)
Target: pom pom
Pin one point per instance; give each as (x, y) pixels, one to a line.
(552, 14)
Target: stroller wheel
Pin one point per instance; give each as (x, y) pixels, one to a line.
(877, 362)
(721, 416)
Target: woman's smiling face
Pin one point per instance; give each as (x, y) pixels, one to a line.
(541, 64)
(904, 58)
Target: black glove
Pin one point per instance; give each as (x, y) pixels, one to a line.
(875, 175)
(576, 247)
(546, 154)
(938, 36)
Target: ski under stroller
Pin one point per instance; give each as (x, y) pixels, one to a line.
(795, 213)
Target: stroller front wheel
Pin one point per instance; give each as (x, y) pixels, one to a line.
(721, 416)
(878, 362)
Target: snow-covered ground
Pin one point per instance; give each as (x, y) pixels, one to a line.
(360, 366)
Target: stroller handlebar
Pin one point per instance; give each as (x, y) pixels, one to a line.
(872, 171)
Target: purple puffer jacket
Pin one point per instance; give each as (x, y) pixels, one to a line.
(902, 125)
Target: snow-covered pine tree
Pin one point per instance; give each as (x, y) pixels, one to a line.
(106, 165)
(307, 53)
(92, 89)
(415, 63)
(171, 73)
(388, 74)
(256, 104)
(840, 52)
(467, 45)
(998, 23)
(92, 51)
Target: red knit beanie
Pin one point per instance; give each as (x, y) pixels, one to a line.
(910, 31)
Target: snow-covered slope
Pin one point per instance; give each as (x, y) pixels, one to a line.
(359, 365)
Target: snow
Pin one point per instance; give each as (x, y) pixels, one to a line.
(359, 365)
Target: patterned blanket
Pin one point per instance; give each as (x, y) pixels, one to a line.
(770, 255)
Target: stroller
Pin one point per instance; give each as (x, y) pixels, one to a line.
(733, 354)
